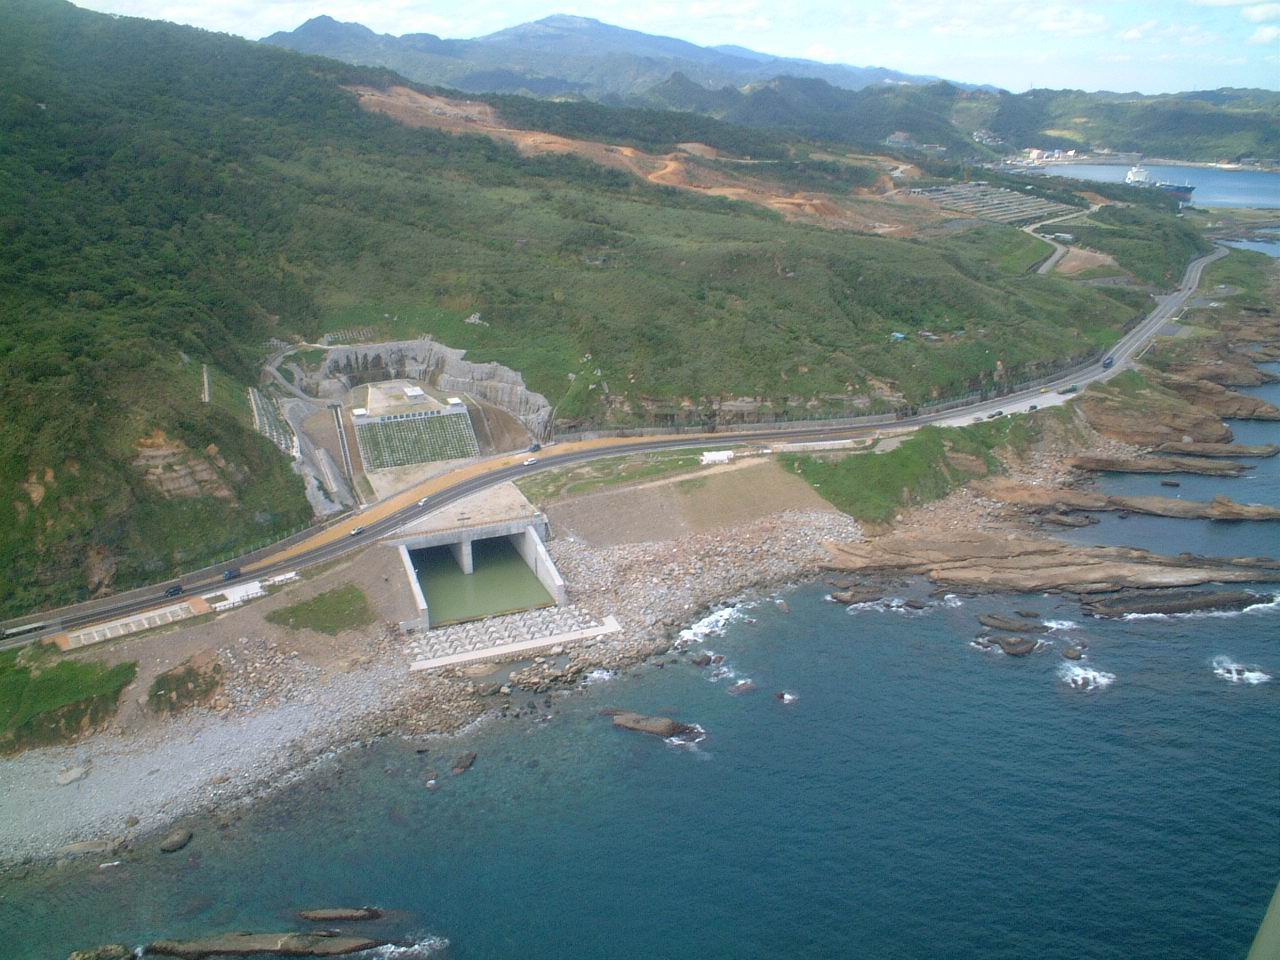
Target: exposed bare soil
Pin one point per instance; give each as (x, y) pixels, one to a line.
(680, 506)
(1079, 260)
(869, 212)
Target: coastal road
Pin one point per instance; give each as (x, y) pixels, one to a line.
(388, 515)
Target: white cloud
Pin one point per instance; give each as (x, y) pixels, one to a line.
(1265, 35)
(1261, 12)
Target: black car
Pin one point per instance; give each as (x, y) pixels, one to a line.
(174, 591)
(231, 574)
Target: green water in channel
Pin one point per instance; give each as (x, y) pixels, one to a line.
(502, 582)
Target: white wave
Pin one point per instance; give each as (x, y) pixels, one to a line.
(785, 697)
(428, 946)
(722, 671)
(984, 647)
(1085, 678)
(713, 624)
(951, 600)
(1061, 624)
(598, 675)
(687, 741)
(887, 605)
(1232, 672)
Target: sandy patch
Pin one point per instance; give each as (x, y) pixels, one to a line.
(680, 506)
(1078, 260)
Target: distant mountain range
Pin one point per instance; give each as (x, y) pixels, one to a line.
(566, 56)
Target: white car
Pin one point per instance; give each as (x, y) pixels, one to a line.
(531, 461)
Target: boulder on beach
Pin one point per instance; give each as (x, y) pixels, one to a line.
(175, 840)
(340, 914)
(1028, 614)
(273, 944)
(463, 763)
(1073, 653)
(741, 687)
(71, 775)
(658, 726)
(996, 622)
(109, 951)
(1016, 646)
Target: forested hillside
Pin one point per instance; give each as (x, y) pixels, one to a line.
(171, 198)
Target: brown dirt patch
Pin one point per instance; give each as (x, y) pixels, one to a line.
(896, 217)
(1079, 260)
(680, 506)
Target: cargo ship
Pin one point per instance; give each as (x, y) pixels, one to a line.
(1140, 176)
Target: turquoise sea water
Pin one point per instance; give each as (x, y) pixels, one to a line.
(920, 798)
(1214, 188)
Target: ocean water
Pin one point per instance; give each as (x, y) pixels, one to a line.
(917, 797)
(1214, 187)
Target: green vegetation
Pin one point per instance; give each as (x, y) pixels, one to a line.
(1153, 245)
(184, 686)
(550, 485)
(1008, 249)
(1249, 273)
(1214, 125)
(926, 466)
(45, 699)
(331, 612)
(659, 130)
(146, 217)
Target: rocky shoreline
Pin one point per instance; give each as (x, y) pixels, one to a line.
(278, 720)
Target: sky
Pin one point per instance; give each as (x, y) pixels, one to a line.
(1148, 46)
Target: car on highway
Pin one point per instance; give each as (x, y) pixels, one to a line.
(531, 461)
(423, 501)
(231, 574)
(993, 416)
(356, 531)
(1108, 363)
(978, 418)
(174, 591)
(1032, 409)
(1074, 388)
(1044, 389)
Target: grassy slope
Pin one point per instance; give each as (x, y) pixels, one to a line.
(876, 486)
(1152, 245)
(43, 701)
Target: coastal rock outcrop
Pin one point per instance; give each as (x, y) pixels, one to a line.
(1007, 561)
(109, 951)
(1205, 466)
(1055, 502)
(1217, 399)
(340, 914)
(1179, 602)
(1016, 646)
(1010, 625)
(1220, 449)
(251, 944)
(658, 726)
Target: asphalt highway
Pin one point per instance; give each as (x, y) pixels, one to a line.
(1124, 354)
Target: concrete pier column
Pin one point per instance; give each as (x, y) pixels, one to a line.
(462, 553)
